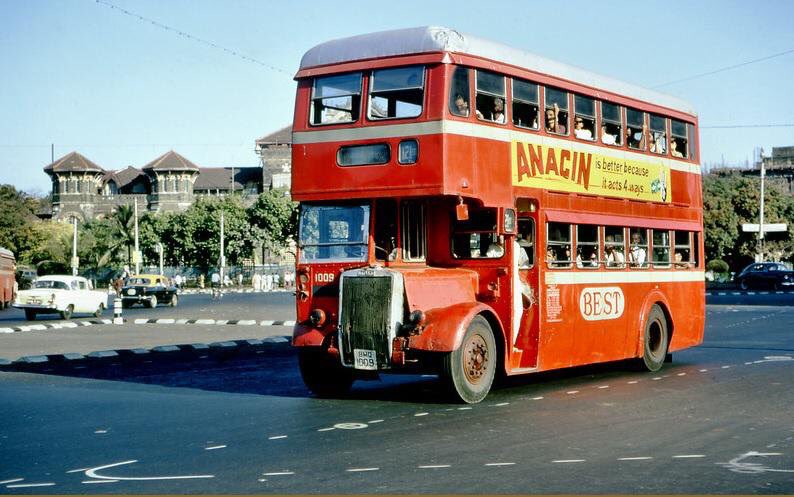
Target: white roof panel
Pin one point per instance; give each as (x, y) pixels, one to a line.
(440, 39)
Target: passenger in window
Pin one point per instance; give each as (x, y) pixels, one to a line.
(674, 149)
(636, 137)
(580, 131)
(679, 260)
(553, 124)
(637, 253)
(615, 258)
(495, 250)
(461, 105)
(551, 256)
(606, 137)
(498, 113)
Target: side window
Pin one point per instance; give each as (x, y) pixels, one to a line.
(336, 99)
(611, 124)
(635, 129)
(696, 249)
(615, 247)
(638, 250)
(658, 136)
(476, 237)
(385, 229)
(459, 92)
(661, 248)
(678, 139)
(490, 97)
(682, 249)
(526, 240)
(587, 246)
(414, 239)
(396, 93)
(691, 141)
(525, 104)
(73, 285)
(81, 285)
(556, 111)
(558, 245)
(584, 121)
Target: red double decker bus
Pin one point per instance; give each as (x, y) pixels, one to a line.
(7, 278)
(473, 209)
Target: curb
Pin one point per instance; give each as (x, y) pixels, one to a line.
(745, 292)
(90, 322)
(220, 350)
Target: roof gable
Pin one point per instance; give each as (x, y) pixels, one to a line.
(73, 162)
(170, 161)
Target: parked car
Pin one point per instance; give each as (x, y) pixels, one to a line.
(772, 275)
(148, 289)
(61, 294)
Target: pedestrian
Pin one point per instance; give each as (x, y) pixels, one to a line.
(201, 281)
(178, 281)
(256, 282)
(118, 284)
(240, 280)
(226, 280)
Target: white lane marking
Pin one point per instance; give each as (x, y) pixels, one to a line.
(725, 367)
(464, 408)
(359, 470)
(11, 481)
(277, 437)
(80, 470)
(279, 473)
(565, 461)
(702, 370)
(375, 421)
(641, 458)
(101, 431)
(689, 456)
(681, 374)
(502, 404)
(603, 386)
(99, 481)
(537, 398)
(215, 447)
(28, 485)
(500, 464)
(657, 378)
(571, 392)
(262, 480)
(434, 466)
(421, 414)
(737, 464)
(775, 358)
(748, 363)
(92, 473)
(632, 382)
(327, 429)
(140, 321)
(351, 426)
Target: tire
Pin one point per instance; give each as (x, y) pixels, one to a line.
(323, 374)
(471, 368)
(99, 310)
(67, 313)
(174, 300)
(743, 285)
(153, 302)
(30, 314)
(655, 340)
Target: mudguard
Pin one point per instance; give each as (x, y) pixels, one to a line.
(307, 336)
(655, 296)
(444, 326)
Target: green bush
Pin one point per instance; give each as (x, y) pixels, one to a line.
(718, 266)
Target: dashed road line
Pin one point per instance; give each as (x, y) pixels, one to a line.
(277, 437)
(279, 473)
(30, 485)
(434, 466)
(603, 386)
(537, 398)
(567, 461)
(375, 421)
(572, 392)
(640, 458)
(96, 482)
(327, 429)
(500, 464)
(421, 414)
(689, 456)
(14, 480)
(215, 447)
(361, 470)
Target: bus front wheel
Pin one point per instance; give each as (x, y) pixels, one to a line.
(655, 340)
(470, 369)
(322, 374)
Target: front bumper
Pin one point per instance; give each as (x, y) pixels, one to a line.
(37, 307)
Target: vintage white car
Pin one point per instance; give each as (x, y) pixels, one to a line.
(61, 294)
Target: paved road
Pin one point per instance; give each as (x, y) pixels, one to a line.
(716, 420)
(271, 305)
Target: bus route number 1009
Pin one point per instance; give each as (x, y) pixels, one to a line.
(323, 277)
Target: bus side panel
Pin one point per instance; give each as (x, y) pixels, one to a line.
(599, 340)
(556, 332)
(689, 308)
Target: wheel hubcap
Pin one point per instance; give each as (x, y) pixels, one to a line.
(475, 359)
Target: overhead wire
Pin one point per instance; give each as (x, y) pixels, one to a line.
(193, 38)
(723, 69)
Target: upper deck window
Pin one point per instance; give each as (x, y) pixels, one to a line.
(490, 97)
(658, 137)
(556, 112)
(584, 120)
(525, 104)
(678, 140)
(336, 99)
(611, 124)
(459, 92)
(396, 93)
(636, 129)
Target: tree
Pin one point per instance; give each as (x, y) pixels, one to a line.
(124, 220)
(17, 221)
(274, 217)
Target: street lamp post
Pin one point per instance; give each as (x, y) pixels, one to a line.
(159, 249)
(75, 260)
(223, 255)
(137, 256)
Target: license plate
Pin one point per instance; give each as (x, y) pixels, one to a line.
(365, 359)
(34, 301)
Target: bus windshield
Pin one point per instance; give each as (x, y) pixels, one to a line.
(333, 232)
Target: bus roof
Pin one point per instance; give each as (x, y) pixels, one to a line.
(429, 39)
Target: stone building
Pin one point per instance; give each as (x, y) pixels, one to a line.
(82, 189)
(275, 156)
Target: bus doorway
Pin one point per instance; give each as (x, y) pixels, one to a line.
(524, 353)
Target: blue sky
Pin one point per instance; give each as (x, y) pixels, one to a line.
(122, 91)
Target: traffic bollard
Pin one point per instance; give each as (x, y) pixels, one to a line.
(117, 311)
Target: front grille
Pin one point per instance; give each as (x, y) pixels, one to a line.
(365, 320)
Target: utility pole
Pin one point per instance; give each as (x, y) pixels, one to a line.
(761, 225)
(75, 261)
(159, 248)
(223, 255)
(137, 257)
(232, 184)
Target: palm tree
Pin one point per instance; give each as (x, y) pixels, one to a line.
(124, 219)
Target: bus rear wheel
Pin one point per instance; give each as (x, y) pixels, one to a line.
(470, 369)
(656, 338)
(323, 374)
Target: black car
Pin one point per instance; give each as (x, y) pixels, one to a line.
(772, 275)
(148, 289)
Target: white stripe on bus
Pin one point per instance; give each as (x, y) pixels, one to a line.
(474, 130)
(606, 277)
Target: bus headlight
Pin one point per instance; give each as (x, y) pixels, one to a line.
(317, 317)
